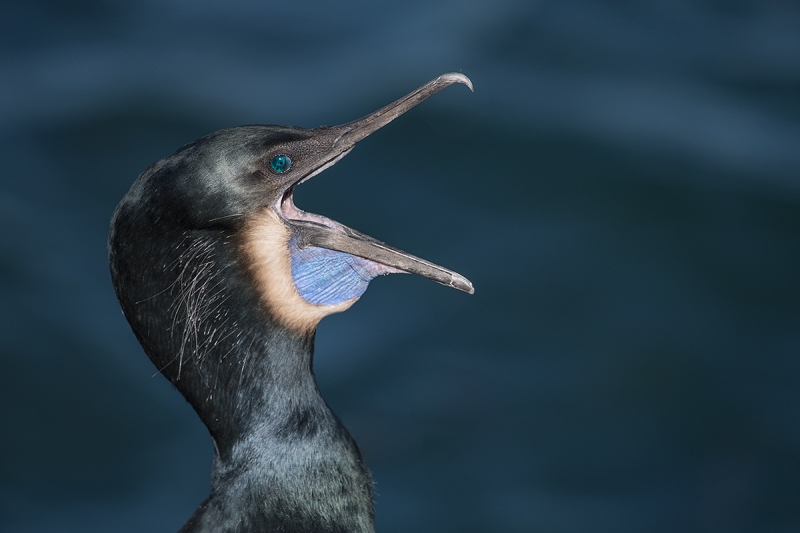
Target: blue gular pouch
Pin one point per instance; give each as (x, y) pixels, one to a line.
(328, 277)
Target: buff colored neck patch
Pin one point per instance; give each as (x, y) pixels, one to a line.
(266, 243)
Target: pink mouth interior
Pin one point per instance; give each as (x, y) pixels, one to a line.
(290, 211)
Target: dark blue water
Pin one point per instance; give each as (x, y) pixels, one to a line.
(623, 189)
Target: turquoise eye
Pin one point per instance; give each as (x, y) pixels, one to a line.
(280, 163)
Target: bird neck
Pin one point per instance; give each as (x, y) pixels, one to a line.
(283, 461)
(291, 465)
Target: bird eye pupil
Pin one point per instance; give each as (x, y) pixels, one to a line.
(280, 163)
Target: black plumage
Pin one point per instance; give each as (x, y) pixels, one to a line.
(203, 253)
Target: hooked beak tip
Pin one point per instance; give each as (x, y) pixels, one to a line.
(457, 77)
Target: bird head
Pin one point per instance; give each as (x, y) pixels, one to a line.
(238, 183)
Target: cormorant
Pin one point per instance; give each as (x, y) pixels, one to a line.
(224, 281)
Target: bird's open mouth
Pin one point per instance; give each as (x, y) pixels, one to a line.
(315, 230)
(290, 212)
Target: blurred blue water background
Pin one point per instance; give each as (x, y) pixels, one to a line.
(623, 189)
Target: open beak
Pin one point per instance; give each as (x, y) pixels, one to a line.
(315, 230)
